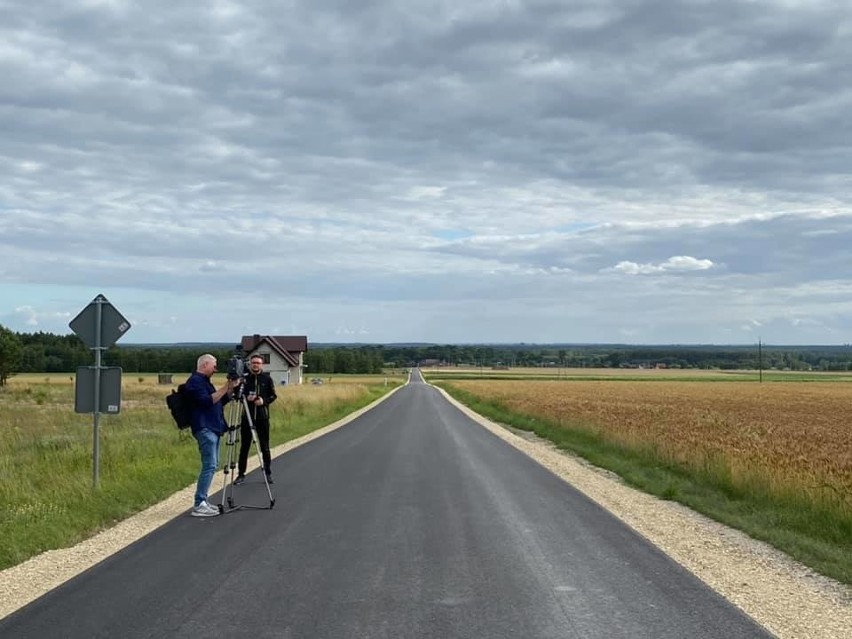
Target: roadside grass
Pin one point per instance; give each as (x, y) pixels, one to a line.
(46, 475)
(816, 533)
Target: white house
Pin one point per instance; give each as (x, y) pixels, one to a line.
(283, 355)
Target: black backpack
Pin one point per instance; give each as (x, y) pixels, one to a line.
(180, 406)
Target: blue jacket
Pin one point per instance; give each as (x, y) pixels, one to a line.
(205, 414)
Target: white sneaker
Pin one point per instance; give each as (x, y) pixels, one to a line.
(204, 510)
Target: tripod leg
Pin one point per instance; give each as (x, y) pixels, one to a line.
(256, 441)
(231, 439)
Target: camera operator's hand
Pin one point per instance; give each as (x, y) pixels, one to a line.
(226, 389)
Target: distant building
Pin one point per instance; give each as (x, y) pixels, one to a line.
(283, 355)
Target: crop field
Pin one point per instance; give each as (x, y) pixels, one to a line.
(791, 438)
(33, 405)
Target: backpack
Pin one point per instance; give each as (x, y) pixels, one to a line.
(180, 406)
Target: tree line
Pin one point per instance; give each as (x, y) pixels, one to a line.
(47, 353)
(823, 358)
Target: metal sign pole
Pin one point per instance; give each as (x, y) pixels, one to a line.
(97, 413)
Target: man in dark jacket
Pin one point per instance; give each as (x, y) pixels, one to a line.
(208, 425)
(259, 391)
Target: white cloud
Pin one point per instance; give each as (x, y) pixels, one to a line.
(34, 319)
(752, 325)
(426, 192)
(28, 315)
(678, 263)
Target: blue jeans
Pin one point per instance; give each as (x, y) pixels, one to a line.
(208, 446)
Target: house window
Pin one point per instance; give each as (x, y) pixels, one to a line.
(265, 357)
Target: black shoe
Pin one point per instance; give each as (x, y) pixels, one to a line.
(239, 480)
(269, 478)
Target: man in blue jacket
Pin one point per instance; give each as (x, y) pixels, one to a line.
(208, 425)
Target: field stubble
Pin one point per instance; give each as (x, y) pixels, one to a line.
(791, 439)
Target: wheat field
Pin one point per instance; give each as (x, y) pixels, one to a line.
(791, 438)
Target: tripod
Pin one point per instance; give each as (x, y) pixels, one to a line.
(236, 410)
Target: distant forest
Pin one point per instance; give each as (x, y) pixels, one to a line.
(48, 353)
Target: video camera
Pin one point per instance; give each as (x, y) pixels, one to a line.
(237, 365)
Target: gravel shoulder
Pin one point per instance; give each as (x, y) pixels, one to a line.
(785, 597)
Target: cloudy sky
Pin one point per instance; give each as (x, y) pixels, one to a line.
(631, 171)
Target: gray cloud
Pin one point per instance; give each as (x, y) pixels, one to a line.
(363, 165)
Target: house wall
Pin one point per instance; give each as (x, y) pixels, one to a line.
(296, 373)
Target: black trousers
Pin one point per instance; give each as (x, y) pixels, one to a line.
(262, 428)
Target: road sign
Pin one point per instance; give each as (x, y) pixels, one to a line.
(99, 325)
(109, 392)
(98, 388)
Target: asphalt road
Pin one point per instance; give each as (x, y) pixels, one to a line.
(411, 521)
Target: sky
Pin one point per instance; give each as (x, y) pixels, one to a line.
(384, 171)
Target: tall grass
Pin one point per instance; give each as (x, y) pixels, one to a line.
(46, 476)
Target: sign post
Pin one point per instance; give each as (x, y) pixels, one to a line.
(98, 388)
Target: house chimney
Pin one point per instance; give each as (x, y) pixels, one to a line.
(256, 340)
